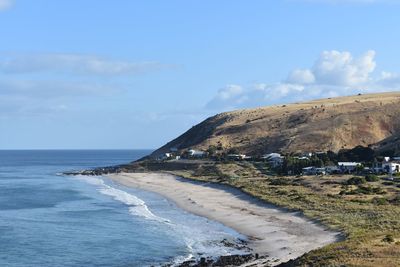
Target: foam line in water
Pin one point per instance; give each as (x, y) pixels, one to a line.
(137, 206)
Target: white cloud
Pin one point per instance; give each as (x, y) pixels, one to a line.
(5, 4)
(74, 63)
(340, 68)
(333, 74)
(301, 76)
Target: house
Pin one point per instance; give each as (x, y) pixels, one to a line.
(302, 158)
(388, 165)
(165, 156)
(309, 171)
(236, 156)
(313, 171)
(196, 153)
(320, 171)
(348, 167)
(391, 167)
(332, 169)
(307, 154)
(274, 159)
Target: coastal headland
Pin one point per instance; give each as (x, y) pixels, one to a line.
(335, 161)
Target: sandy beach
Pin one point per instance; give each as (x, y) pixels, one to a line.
(272, 231)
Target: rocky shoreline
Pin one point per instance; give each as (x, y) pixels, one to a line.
(229, 260)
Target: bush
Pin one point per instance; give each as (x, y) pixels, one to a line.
(388, 239)
(356, 181)
(379, 201)
(371, 178)
(280, 181)
(366, 190)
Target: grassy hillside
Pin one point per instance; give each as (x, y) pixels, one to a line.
(320, 125)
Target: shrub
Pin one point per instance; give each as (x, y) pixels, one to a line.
(280, 181)
(369, 190)
(356, 181)
(396, 200)
(388, 239)
(366, 190)
(379, 201)
(371, 178)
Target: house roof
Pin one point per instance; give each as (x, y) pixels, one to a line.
(348, 164)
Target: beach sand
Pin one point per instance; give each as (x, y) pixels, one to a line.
(272, 231)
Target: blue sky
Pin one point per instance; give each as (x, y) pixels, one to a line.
(135, 74)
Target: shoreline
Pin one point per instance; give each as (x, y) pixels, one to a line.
(274, 233)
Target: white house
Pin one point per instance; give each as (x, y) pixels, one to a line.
(348, 166)
(388, 165)
(165, 156)
(196, 153)
(391, 166)
(274, 159)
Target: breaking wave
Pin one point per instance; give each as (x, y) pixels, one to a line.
(137, 206)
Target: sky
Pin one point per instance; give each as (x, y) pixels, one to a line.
(122, 74)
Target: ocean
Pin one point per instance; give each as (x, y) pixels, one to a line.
(49, 219)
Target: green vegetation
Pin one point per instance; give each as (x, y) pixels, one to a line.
(356, 181)
(371, 178)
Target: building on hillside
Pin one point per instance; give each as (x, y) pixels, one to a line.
(348, 167)
(236, 156)
(307, 154)
(197, 153)
(309, 171)
(165, 156)
(302, 158)
(391, 167)
(332, 169)
(313, 171)
(388, 165)
(274, 159)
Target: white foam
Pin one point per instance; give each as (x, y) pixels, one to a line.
(137, 206)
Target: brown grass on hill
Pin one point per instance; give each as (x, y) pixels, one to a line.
(320, 125)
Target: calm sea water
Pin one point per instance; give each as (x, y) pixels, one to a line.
(47, 219)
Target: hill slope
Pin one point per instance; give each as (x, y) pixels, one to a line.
(319, 125)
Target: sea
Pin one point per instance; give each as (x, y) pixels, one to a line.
(48, 219)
